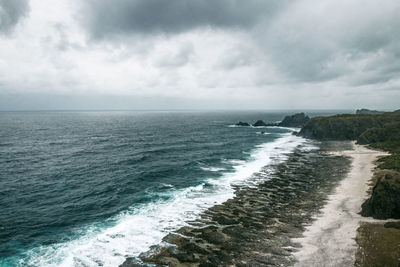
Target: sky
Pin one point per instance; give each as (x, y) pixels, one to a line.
(199, 54)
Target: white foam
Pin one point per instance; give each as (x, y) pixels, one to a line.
(136, 230)
(212, 169)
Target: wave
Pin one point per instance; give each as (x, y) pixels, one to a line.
(213, 169)
(134, 231)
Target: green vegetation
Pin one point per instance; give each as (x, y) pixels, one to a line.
(395, 225)
(386, 138)
(377, 246)
(379, 131)
(385, 199)
(391, 162)
(352, 127)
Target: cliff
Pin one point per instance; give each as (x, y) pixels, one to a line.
(352, 127)
(296, 120)
(368, 111)
(380, 131)
(384, 202)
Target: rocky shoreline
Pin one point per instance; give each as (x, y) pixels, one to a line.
(263, 225)
(330, 240)
(257, 226)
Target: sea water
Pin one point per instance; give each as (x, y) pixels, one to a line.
(92, 188)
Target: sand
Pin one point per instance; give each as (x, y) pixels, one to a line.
(330, 240)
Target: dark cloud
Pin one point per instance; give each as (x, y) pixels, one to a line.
(325, 41)
(11, 11)
(105, 17)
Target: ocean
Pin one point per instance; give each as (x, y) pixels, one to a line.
(94, 188)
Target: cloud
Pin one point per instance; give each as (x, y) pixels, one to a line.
(178, 58)
(334, 40)
(106, 18)
(300, 41)
(204, 54)
(11, 11)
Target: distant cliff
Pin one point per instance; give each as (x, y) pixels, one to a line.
(296, 120)
(368, 111)
(352, 127)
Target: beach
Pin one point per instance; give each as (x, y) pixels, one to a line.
(330, 239)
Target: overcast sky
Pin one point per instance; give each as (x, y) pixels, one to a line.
(211, 54)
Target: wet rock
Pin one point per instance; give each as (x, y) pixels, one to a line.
(158, 255)
(175, 239)
(260, 123)
(214, 235)
(129, 263)
(240, 123)
(225, 220)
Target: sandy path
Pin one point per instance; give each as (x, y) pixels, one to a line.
(330, 240)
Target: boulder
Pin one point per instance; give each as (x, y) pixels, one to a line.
(384, 202)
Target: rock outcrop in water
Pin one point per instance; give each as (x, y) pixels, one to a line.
(261, 123)
(384, 202)
(240, 123)
(296, 120)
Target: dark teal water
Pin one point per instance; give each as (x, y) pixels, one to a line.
(88, 188)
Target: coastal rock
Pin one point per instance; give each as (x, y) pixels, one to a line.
(385, 200)
(240, 123)
(160, 256)
(296, 120)
(129, 263)
(214, 235)
(260, 123)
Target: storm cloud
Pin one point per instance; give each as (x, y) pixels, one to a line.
(105, 17)
(201, 53)
(306, 41)
(328, 40)
(11, 11)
